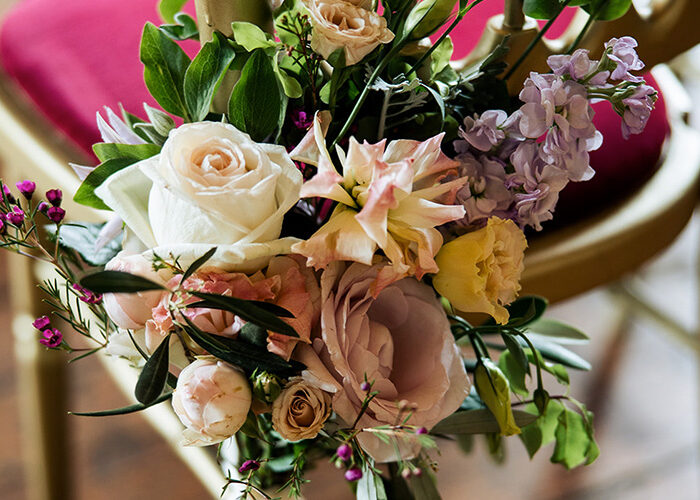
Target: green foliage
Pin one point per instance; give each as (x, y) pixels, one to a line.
(441, 56)
(251, 37)
(558, 332)
(117, 282)
(423, 487)
(168, 8)
(494, 391)
(426, 18)
(185, 28)
(256, 105)
(112, 151)
(514, 372)
(165, 65)
(81, 237)
(85, 195)
(154, 374)
(608, 10)
(370, 486)
(122, 411)
(603, 10)
(575, 444)
(479, 421)
(205, 74)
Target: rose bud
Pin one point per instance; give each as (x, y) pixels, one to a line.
(212, 400)
(132, 310)
(300, 410)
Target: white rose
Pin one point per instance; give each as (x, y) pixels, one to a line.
(211, 185)
(348, 25)
(212, 400)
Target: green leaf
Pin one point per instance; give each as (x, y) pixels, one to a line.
(165, 64)
(290, 85)
(112, 151)
(514, 372)
(197, 264)
(185, 28)
(122, 411)
(250, 36)
(160, 120)
(256, 102)
(477, 422)
(205, 74)
(152, 380)
(558, 354)
(370, 485)
(423, 487)
(246, 356)
(85, 195)
(523, 311)
(542, 9)
(253, 334)
(559, 332)
(541, 432)
(247, 310)
(517, 351)
(441, 56)
(117, 282)
(572, 440)
(81, 237)
(608, 10)
(168, 8)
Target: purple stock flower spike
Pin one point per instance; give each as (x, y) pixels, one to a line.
(622, 51)
(638, 108)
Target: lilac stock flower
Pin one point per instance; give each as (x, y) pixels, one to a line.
(41, 323)
(55, 214)
(27, 188)
(622, 52)
(353, 474)
(344, 452)
(52, 338)
(484, 132)
(638, 108)
(485, 193)
(16, 217)
(55, 197)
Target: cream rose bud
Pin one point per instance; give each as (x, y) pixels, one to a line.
(212, 400)
(212, 184)
(300, 411)
(337, 24)
(132, 310)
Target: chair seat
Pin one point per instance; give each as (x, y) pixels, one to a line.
(73, 57)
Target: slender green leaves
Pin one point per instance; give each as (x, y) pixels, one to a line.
(154, 374)
(118, 282)
(477, 422)
(122, 411)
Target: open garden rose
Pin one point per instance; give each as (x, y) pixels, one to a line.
(131, 311)
(210, 185)
(212, 399)
(480, 271)
(347, 25)
(300, 411)
(401, 340)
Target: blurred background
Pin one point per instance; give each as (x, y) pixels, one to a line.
(644, 392)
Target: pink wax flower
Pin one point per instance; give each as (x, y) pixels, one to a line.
(55, 214)
(27, 188)
(55, 196)
(16, 217)
(8, 194)
(401, 340)
(41, 323)
(390, 198)
(52, 338)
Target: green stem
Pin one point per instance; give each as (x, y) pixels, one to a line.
(535, 41)
(581, 35)
(536, 356)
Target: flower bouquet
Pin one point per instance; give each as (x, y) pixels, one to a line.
(316, 244)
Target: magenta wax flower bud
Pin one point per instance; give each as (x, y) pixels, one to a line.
(55, 214)
(42, 207)
(27, 188)
(52, 338)
(16, 217)
(249, 465)
(8, 193)
(406, 473)
(344, 452)
(417, 472)
(41, 323)
(353, 474)
(365, 386)
(55, 196)
(2, 225)
(421, 430)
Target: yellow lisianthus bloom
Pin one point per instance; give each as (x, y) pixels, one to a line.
(480, 271)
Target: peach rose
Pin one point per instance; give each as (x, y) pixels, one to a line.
(300, 411)
(210, 185)
(212, 399)
(480, 271)
(401, 340)
(131, 310)
(338, 24)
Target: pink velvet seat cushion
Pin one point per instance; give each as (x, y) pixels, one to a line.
(75, 56)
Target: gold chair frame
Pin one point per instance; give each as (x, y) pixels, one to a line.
(587, 254)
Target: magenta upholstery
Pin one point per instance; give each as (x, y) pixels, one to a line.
(75, 56)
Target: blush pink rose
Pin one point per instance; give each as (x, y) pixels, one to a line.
(401, 340)
(131, 311)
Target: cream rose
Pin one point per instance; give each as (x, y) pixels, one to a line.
(337, 24)
(399, 337)
(212, 400)
(210, 185)
(300, 410)
(480, 271)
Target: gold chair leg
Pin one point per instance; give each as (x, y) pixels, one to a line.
(41, 392)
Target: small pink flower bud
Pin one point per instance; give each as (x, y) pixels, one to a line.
(417, 472)
(353, 474)
(52, 338)
(365, 386)
(421, 430)
(42, 207)
(249, 465)
(344, 452)
(55, 214)
(55, 196)
(8, 194)
(41, 323)
(16, 217)
(406, 473)
(27, 188)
